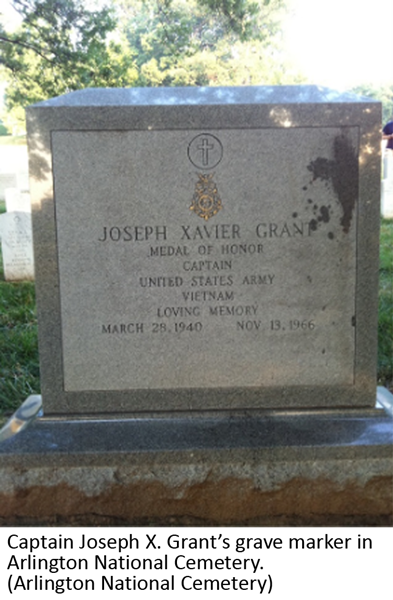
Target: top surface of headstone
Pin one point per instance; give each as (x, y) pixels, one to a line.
(218, 256)
(162, 96)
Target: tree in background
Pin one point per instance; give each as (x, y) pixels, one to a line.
(65, 45)
(206, 42)
(62, 45)
(382, 93)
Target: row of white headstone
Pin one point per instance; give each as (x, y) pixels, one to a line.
(16, 236)
(15, 223)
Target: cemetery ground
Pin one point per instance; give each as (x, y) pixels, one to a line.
(19, 364)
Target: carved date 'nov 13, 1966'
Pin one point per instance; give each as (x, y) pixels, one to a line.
(176, 327)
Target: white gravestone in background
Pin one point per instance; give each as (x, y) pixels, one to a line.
(17, 247)
(17, 200)
(13, 168)
(387, 186)
(7, 180)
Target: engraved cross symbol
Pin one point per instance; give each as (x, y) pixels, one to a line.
(205, 147)
(205, 151)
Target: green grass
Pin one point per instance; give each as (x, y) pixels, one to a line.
(19, 371)
(385, 311)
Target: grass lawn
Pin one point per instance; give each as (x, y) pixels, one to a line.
(385, 312)
(19, 370)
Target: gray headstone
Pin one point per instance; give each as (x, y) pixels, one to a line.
(206, 248)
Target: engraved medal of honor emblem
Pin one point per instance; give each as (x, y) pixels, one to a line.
(206, 202)
(205, 152)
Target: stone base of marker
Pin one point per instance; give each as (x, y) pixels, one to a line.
(333, 469)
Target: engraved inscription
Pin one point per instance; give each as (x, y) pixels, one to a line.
(206, 202)
(205, 151)
(256, 292)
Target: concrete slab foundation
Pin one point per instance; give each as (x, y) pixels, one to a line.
(323, 468)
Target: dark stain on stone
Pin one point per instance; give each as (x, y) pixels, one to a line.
(322, 215)
(331, 235)
(294, 215)
(353, 321)
(325, 215)
(342, 173)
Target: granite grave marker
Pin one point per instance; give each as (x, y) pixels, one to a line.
(205, 249)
